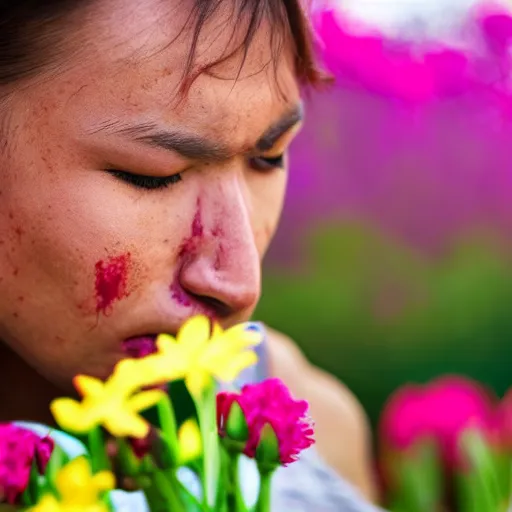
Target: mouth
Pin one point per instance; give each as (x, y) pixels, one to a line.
(140, 346)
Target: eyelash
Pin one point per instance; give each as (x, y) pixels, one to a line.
(267, 164)
(145, 182)
(155, 183)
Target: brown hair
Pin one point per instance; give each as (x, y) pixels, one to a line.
(30, 29)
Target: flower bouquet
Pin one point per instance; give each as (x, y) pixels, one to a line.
(261, 421)
(446, 447)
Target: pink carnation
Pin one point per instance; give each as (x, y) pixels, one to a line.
(504, 420)
(270, 402)
(441, 411)
(18, 450)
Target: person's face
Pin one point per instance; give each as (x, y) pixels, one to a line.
(122, 211)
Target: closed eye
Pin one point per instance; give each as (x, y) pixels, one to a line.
(143, 181)
(267, 163)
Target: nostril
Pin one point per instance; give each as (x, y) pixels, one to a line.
(220, 309)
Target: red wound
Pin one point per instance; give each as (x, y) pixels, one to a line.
(179, 295)
(197, 224)
(111, 281)
(187, 249)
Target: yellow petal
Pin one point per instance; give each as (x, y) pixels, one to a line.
(47, 503)
(97, 507)
(86, 385)
(189, 437)
(126, 374)
(217, 330)
(144, 400)
(127, 424)
(227, 348)
(240, 335)
(72, 416)
(79, 488)
(165, 343)
(169, 354)
(73, 477)
(197, 382)
(194, 333)
(222, 350)
(104, 481)
(229, 370)
(159, 369)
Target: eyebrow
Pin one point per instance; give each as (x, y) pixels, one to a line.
(196, 147)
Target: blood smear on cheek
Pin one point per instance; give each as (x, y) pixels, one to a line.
(111, 281)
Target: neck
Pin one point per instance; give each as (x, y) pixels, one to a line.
(24, 394)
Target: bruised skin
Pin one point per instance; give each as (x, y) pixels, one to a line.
(111, 281)
(98, 261)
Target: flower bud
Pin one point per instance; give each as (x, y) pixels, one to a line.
(267, 451)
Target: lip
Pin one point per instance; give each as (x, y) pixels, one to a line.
(140, 346)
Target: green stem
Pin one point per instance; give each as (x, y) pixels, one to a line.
(235, 501)
(206, 412)
(168, 422)
(222, 484)
(263, 503)
(191, 497)
(97, 449)
(484, 469)
(163, 494)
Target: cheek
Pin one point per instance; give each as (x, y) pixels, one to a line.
(62, 237)
(111, 282)
(268, 192)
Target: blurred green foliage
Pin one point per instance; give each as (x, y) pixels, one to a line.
(377, 313)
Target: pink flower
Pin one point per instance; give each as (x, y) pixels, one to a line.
(19, 448)
(504, 420)
(269, 402)
(440, 411)
(496, 27)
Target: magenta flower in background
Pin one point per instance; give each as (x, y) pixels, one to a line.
(496, 27)
(19, 448)
(440, 411)
(270, 402)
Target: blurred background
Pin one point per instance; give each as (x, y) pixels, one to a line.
(393, 262)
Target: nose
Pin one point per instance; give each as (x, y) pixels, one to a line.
(222, 267)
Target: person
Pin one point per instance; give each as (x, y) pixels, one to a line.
(143, 169)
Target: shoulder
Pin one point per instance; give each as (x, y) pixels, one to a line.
(342, 431)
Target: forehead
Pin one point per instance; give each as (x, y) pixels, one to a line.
(137, 71)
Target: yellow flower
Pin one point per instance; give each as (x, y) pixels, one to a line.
(78, 489)
(189, 438)
(114, 404)
(198, 355)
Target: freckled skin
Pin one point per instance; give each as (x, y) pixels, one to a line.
(193, 246)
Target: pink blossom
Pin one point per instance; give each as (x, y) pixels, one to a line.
(504, 420)
(496, 27)
(270, 402)
(19, 448)
(441, 411)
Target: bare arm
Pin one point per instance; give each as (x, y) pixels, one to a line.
(342, 431)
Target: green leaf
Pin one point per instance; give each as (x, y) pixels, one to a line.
(419, 479)
(481, 480)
